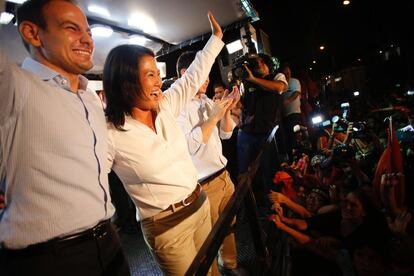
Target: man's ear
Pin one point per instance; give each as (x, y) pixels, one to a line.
(182, 71)
(30, 33)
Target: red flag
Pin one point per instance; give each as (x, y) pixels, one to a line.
(390, 162)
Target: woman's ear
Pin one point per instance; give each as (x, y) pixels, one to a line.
(30, 33)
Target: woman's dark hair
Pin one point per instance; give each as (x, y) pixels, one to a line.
(121, 82)
(32, 10)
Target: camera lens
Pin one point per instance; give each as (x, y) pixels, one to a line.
(240, 72)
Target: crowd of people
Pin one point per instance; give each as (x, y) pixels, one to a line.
(332, 191)
(344, 198)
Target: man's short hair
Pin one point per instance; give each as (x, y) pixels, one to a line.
(32, 10)
(268, 60)
(184, 61)
(218, 84)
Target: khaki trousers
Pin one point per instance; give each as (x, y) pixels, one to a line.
(175, 236)
(219, 191)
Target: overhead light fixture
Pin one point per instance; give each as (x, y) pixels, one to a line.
(346, 2)
(314, 61)
(98, 10)
(5, 18)
(138, 40)
(356, 93)
(17, 1)
(143, 22)
(321, 47)
(234, 46)
(101, 31)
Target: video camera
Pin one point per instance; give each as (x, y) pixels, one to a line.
(238, 70)
(343, 124)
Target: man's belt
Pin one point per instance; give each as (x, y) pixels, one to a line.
(211, 177)
(97, 232)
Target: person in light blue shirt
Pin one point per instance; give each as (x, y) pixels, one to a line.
(53, 141)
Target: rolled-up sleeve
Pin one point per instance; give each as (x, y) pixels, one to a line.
(224, 135)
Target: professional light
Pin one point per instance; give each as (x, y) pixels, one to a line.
(162, 66)
(101, 31)
(335, 119)
(317, 119)
(5, 18)
(234, 46)
(98, 10)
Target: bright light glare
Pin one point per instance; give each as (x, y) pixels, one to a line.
(138, 40)
(356, 93)
(5, 18)
(346, 2)
(102, 31)
(143, 22)
(234, 46)
(17, 1)
(255, 44)
(321, 47)
(98, 10)
(317, 119)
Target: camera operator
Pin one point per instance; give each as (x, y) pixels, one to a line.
(262, 107)
(262, 111)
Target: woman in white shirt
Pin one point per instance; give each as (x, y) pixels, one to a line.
(149, 153)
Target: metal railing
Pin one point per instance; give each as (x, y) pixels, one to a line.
(243, 193)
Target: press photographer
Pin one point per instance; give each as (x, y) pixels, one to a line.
(262, 111)
(262, 105)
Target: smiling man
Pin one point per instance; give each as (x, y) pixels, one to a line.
(56, 219)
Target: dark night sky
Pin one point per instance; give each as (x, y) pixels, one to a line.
(359, 30)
